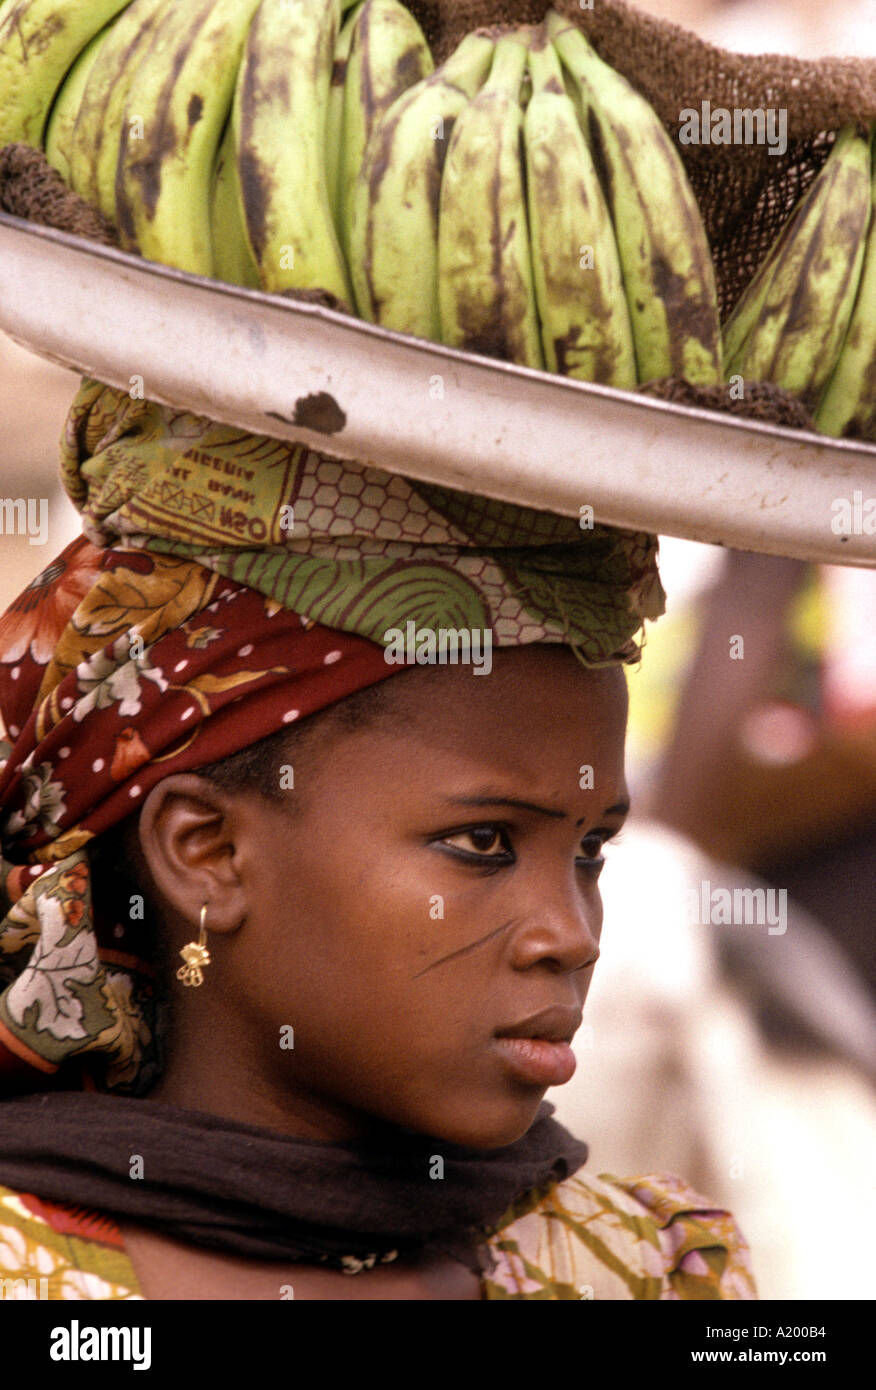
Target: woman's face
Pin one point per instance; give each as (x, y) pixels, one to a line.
(436, 887)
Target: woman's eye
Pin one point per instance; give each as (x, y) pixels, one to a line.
(483, 840)
(491, 842)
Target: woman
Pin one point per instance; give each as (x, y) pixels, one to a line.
(383, 891)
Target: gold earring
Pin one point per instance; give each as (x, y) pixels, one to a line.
(195, 956)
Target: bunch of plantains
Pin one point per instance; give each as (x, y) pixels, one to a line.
(807, 321)
(522, 201)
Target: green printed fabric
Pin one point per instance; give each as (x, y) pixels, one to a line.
(346, 544)
(583, 1240)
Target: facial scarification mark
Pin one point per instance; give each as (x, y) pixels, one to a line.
(465, 950)
(319, 412)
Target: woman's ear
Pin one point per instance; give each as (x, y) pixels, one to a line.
(188, 829)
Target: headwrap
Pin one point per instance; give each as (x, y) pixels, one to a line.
(226, 585)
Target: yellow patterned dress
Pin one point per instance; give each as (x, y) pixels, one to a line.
(585, 1238)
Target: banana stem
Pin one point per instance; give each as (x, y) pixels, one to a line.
(544, 65)
(571, 45)
(555, 23)
(474, 52)
(509, 64)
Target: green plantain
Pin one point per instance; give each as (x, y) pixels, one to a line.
(805, 312)
(848, 406)
(232, 258)
(664, 251)
(40, 41)
(96, 136)
(394, 224)
(280, 112)
(334, 121)
(486, 296)
(389, 55)
(182, 95)
(579, 289)
(62, 121)
(749, 306)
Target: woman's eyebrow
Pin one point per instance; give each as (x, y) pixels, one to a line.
(620, 808)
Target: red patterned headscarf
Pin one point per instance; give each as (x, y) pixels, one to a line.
(117, 668)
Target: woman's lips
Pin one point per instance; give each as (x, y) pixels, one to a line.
(537, 1061)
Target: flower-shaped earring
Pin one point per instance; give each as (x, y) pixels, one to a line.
(195, 956)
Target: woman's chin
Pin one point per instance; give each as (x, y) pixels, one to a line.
(486, 1130)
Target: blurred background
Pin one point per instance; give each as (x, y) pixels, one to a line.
(740, 1058)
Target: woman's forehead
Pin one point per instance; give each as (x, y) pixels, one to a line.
(533, 722)
(528, 683)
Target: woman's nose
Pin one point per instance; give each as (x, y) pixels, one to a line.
(559, 930)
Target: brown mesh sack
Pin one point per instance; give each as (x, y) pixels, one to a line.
(745, 193)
